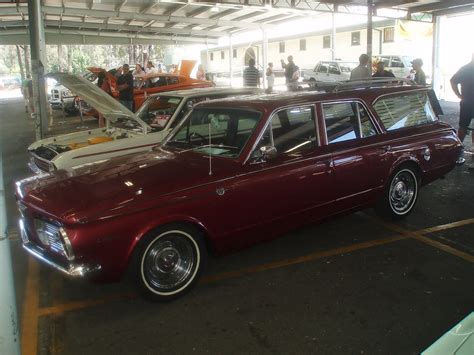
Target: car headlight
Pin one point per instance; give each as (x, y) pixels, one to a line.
(53, 237)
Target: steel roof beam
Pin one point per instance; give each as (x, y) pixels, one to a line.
(172, 39)
(454, 10)
(54, 10)
(440, 6)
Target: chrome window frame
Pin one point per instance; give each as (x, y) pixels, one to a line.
(273, 114)
(358, 101)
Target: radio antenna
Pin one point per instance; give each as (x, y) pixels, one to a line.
(210, 150)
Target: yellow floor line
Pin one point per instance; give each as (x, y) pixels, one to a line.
(30, 317)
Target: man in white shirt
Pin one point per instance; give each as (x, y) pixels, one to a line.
(361, 71)
(150, 70)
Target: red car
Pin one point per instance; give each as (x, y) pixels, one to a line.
(235, 172)
(159, 82)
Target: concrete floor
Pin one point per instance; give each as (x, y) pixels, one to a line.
(355, 284)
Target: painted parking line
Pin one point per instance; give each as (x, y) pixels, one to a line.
(30, 316)
(419, 235)
(32, 312)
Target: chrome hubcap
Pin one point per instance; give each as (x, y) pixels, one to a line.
(169, 262)
(403, 191)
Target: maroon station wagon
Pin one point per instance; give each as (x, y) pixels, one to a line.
(235, 172)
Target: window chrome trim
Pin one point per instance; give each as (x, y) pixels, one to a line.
(272, 115)
(413, 91)
(372, 119)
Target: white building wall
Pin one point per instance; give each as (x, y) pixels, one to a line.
(344, 50)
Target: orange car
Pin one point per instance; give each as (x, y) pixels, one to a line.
(152, 84)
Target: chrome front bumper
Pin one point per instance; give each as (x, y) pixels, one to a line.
(66, 267)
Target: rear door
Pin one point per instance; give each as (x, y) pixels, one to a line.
(321, 73)
(359, 156)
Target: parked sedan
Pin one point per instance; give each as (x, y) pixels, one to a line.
(125, 132)
(235, 172)
(330, 71)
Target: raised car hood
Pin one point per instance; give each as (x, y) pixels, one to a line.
(122, 185)
(109, 107)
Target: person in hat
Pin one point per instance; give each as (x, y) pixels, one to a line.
(420, 76)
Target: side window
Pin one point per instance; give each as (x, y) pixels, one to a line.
(346, 121)
(291, 130)
(322, 68)
(334, 69)
(404, 110)
(397, 62)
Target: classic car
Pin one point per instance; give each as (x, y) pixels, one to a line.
(329, 71)
(125, 132)
(152, 84)
(236, 172)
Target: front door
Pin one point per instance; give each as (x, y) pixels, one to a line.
(294, 187)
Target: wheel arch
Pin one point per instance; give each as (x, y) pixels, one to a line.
(188, 221)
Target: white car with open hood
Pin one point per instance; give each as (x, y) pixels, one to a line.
(125, 132)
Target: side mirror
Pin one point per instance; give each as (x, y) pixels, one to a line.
(268, 152)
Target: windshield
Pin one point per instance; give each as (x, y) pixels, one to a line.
(219, 132)
(157, 111)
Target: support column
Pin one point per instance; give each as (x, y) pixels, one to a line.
(38, 65)
(265, 56)
(9, 329)
(435, 73)
(333, 36)
(370, 10)
(231, 54)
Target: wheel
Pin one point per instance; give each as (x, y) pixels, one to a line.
(400, 195)
(169, 261)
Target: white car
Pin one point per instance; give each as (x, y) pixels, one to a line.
(330, 71)
(125, 132)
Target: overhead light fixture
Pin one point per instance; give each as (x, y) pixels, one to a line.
(214, 9)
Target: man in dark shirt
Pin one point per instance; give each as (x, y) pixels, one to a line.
(465, 77)
(381, 72)
(125, 87)
(420, 76)
(251, 75)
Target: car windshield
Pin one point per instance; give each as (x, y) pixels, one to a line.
(158, 110)
(217, 132)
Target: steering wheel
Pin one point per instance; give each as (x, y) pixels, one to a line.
(195, 134)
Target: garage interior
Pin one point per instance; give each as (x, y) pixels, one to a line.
(354, 284)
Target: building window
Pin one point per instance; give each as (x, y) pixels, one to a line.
(327, 41)
(389, 34)
(282, 47)
(355, 38)
(302, 44)
(234, 53)
(222, 54)
(212, 56)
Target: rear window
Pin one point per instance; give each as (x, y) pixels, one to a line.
(405, 110)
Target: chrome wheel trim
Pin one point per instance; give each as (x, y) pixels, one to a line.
(403, 192)
(170, 262)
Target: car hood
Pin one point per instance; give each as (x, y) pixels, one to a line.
(121, 185)
(109, 107)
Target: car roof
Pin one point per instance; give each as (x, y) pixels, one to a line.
(270, 102)
(206, 91)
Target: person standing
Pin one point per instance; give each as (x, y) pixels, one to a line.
(291, 73)
(270, 77)
(200, 74)
(465, 77)
(381, 72)
(361, 71)
(251, 75)
(125, 87)
(104, 83)
(420, 76)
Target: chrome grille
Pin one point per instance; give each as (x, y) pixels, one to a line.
(41, 164)
(54, 239)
